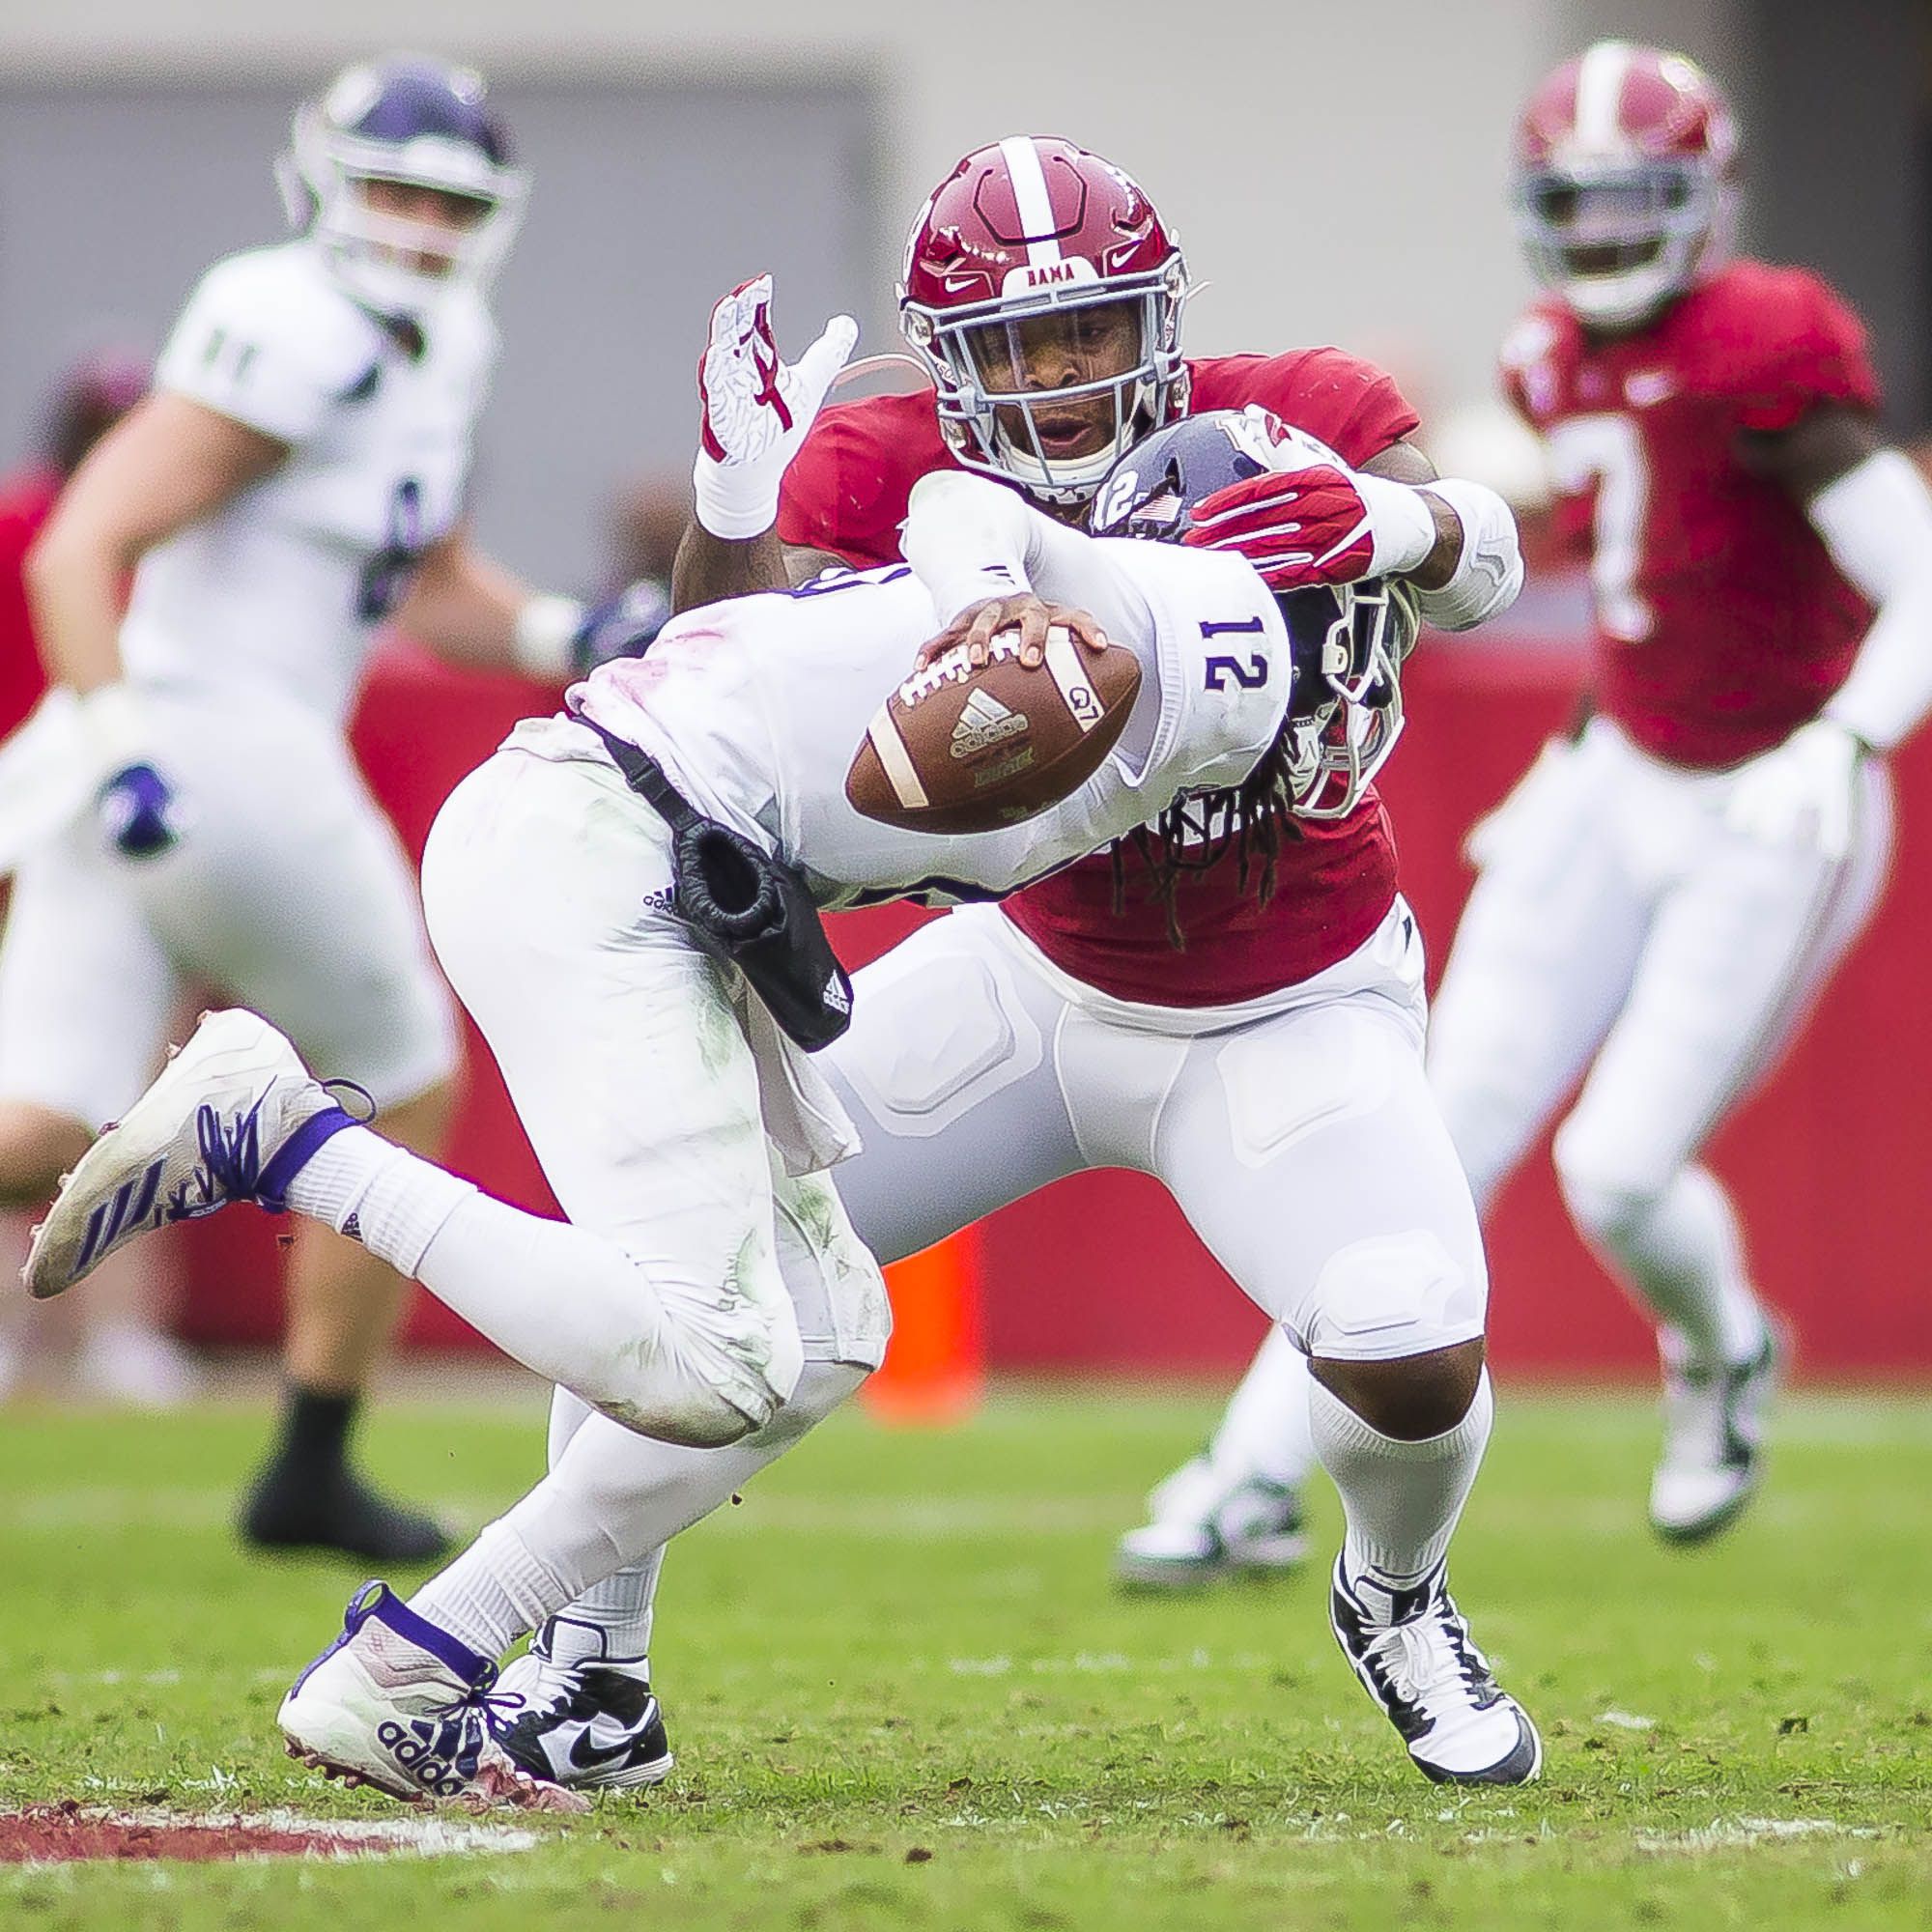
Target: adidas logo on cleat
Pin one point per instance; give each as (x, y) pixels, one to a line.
(418, 1757)
(984, 723)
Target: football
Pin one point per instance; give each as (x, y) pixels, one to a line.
(958, 750)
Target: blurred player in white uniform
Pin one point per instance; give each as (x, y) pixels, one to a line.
(709, 1290)
(295, 479)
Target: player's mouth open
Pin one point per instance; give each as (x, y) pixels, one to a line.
(1069, 432)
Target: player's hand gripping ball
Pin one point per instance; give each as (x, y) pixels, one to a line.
(995, 729)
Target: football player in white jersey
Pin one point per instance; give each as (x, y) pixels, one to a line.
(708, 1299)
(295, 479)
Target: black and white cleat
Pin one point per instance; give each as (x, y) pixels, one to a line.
(1414, 1654)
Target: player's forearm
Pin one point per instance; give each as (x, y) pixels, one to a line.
(1472, 568)
(463, 605)
(1877, 522)
(709, 568)
(969, 540)
(75, 582)
(1474, 571)
(468, 610)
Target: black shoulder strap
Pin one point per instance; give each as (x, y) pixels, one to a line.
(646, 777)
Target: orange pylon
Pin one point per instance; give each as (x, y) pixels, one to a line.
(935, 1368)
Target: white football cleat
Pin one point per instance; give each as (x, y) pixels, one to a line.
(1412, 1652)
(234, 1116)
(1204, 1522)
(399, 1703)
(588, 1720)
(1713, 1443)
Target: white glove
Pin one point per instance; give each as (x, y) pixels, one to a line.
(757, 409)
(1802, 792)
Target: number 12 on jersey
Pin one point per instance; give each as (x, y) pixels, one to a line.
(1610, 449)
(1249, 672)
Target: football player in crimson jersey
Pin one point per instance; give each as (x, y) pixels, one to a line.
(1268, 1071)
(1666, 891)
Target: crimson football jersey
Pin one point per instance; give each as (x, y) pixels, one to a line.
(847, 491)
(1723, 624)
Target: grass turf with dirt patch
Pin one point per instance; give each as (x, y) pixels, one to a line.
(902, 1693)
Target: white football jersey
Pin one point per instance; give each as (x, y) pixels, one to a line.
(282, 589)
(755, 709)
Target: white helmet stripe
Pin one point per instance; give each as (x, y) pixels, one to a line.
(1599, 93)
(1036, 205)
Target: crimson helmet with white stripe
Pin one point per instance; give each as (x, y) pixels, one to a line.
(1624, 181)
(1044, 294)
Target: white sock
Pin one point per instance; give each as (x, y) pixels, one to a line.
(624, 1606)
(621, 1608)
(392, 1201)
(1265, 1429)
(600, 1520)
(497, 1591)
(1401, 1499)
(1685, 1257)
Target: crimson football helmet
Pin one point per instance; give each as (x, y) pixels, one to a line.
(1043, 294)
(413, 120)
(1624, 181)
(1346, 641)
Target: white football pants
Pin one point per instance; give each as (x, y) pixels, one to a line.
(1619, 925)
(1297, 1135)
(693, 1267)
(288, 893)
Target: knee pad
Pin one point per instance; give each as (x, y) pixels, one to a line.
(1392, 1295)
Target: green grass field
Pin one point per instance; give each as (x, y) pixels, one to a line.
(903, 1694)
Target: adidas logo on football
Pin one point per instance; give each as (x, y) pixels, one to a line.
(984, 723)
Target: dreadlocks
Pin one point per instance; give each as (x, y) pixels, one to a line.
(1194, 835)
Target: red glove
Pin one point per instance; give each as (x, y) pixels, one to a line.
(1318, 524)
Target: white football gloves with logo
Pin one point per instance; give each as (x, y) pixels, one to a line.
(1802, 792)
(757, 409)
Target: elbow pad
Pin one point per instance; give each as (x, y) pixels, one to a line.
(1489, 573)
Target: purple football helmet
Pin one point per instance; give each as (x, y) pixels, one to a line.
(1348, 640)
(420, 123)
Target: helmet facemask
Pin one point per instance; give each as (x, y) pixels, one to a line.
(1348, 645)
(985, 359)
(1620, 240)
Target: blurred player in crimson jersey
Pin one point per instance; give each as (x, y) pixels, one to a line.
(1666, 891)
(119, 1352)
(1241, 1018)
